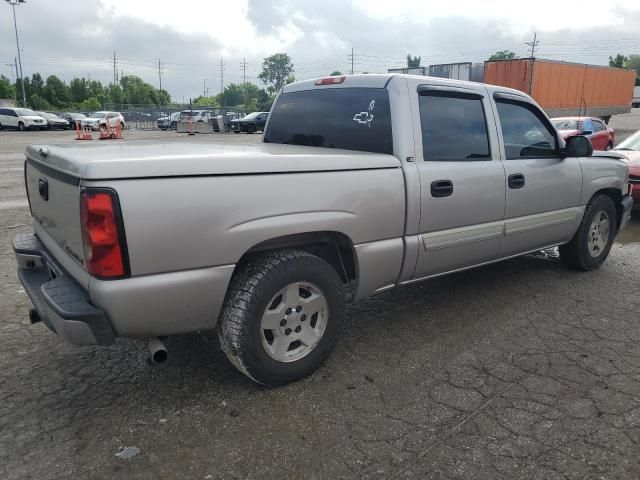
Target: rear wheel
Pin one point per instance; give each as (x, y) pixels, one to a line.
(591, 244)
(282, 316)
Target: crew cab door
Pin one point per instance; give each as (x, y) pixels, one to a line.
(462, 179)
(543, 189)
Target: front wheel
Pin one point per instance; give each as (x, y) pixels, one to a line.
(21, 127)
(282, 316)
(609, 146)
(251, 129)
(590, 246)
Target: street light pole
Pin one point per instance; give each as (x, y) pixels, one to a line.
(13, 4)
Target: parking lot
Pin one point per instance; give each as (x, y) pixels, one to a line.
(518, 370)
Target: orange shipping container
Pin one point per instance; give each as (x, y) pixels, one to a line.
(566, 89)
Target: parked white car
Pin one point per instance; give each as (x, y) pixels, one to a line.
(98, 120)
(21, 118)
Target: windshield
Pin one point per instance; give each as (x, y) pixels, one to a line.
(98, 115)
(566, 124)
(25, 112)
(251, 116)
(348, 118)
(77, 115)
(49, 116)
(631, 143)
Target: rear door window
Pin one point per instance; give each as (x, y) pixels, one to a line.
(454, 127)
(346, 118)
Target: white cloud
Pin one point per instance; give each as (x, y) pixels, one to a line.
(71, 38)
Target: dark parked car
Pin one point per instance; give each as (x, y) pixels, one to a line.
(72, 118)
(54, 121)
(251, 123)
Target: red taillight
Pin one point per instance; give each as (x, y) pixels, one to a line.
(331, 80)
(102, 234)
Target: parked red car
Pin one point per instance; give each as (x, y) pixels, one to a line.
(631, 149)
(602, 136)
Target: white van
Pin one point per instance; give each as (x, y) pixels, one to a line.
(22, 119)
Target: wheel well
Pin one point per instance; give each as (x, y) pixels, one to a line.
(616, 196)
(334, 247)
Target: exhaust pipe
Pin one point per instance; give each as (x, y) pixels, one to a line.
(158, 350)
(34, 316)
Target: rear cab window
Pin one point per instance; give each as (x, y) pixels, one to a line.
(344, 118)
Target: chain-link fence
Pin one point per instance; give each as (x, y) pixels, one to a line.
(167, 117)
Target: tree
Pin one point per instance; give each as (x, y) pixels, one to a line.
(56, 92)
(633, 63)
(617, 62)
(79, 90)
(6, 89)
(503, 55)
(90, 105)
(264, 101)
(336, 73)
(277, 71)
(36, 102)
(413, 62)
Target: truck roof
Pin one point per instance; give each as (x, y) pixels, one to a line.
(380, 80)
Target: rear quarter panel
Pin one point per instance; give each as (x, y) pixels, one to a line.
(176, 224)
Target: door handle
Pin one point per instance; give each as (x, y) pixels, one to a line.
(516, 180)
(441, 188)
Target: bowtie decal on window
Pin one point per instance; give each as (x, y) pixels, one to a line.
(365, 118)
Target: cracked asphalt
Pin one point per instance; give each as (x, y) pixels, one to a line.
(519, 370)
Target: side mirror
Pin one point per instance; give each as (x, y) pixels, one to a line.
(578, 146)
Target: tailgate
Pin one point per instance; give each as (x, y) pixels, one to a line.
(54, 198)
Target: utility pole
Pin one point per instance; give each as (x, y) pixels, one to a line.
(243, 65)
(533, 46)
(204, 87)
(221, 69)
(13, 4)
(352, 57)
(160, 73)
(115, 69)
(11, 65)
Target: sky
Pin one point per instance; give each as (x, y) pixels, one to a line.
(194, 39)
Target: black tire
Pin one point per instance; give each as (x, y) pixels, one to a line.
(251, 129)
(0, 126)
(236, 131)
(21, 127)
(609, 146)
(252, 289)
(576, 253)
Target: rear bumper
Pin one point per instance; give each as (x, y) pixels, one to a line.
(61, 303)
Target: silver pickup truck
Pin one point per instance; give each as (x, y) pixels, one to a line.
(361, 184)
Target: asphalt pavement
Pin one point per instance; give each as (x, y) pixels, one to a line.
(519, 370)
